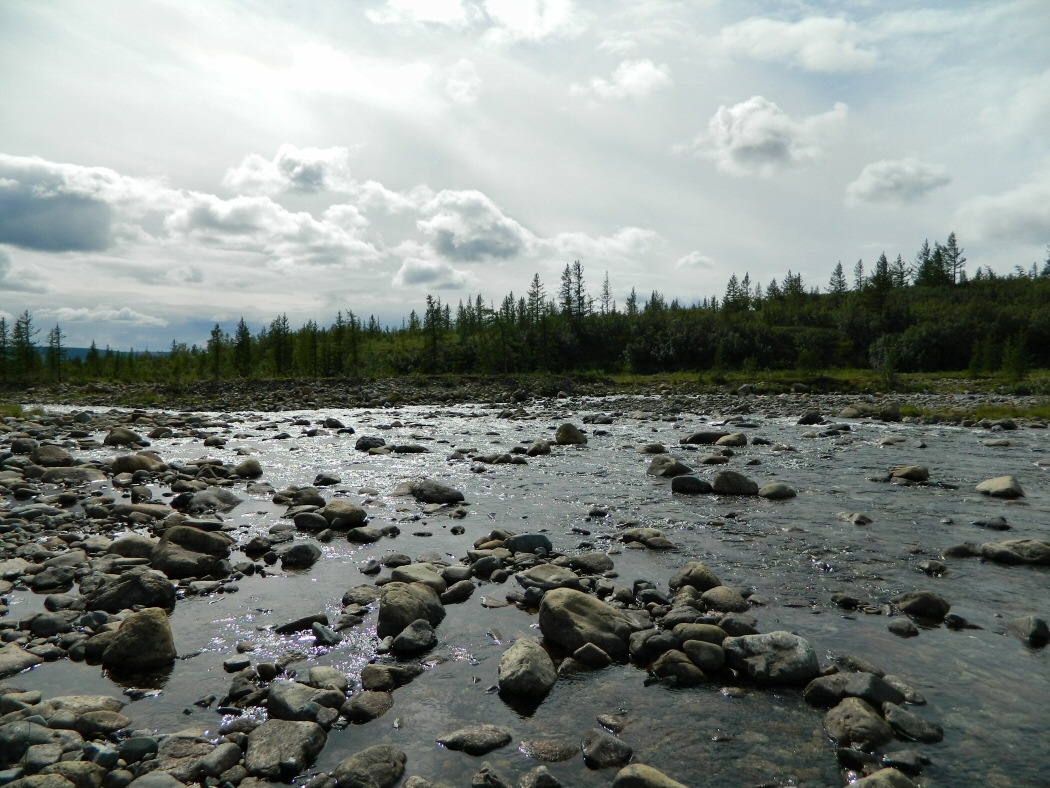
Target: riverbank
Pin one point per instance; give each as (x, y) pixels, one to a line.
(943, 399)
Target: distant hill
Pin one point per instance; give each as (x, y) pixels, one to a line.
(71, 353)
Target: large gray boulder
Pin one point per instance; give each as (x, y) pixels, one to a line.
(185, 551)
(1001, 487)
(569, 435)
(547, 577)
(570, 619)
(77, 474)
(344, 514)
(50, 455)
(139, 585)
(402, 603)
(378, 766)
(1017, 551)
(667, 467)
(773, 658)
(143, 642)
(696, 575)
(855, 723)
(148, 461)
(527, 669)
(733, 483)
(430, 491)
(279, 749)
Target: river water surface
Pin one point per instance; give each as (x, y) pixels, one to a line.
(987, 689)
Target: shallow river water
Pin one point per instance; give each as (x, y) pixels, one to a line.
(988, 690)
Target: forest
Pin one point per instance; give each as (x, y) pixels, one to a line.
(926, 314)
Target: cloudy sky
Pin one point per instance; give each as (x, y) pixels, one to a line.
(168, 165)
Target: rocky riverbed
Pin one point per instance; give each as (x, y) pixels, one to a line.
(539, 590)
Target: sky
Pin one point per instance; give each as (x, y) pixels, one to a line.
(165, 166)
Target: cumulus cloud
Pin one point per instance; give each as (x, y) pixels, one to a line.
(292, 169)
(469, 227)
(531, 20)
(900, 181)
(438, 274)
(757, 136)
(695, 261)
(631, 79)
(1019, 215)
(625, 243)
(17, 280)
(814, 44)
(258, 224)
(46, 207)
(103, 313)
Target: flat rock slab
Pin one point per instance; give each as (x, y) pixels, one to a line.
(1001, 487)
(476, 739)
(379, 766)
(14, 659)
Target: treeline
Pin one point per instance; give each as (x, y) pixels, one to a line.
(922, 315)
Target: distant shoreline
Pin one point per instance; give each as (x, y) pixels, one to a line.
(938, 399)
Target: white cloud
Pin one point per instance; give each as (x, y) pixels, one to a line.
(292, 169)
(814, 44)
(625, 244)
(18, 280)
(437, 274)
(103, 314)
(899, 181)
(1020, 215)
(468, 226)
(757, 136)
(631, 79)
(531, 20)
(258, 224)
(452, 13)
(694, 260)
(463, 83)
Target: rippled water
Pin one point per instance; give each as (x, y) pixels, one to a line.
(987, 689)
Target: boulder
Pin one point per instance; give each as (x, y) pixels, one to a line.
(1017, 551)
(148, 461)
(143, 642)
(773, 658)
(569, 435)
(570, 618)
(430, 491)
(913, 473)
(705, 437)
(139, 585)
(476, 739)
(667, 467)
(601, 749)
(855, 723)
(1001, 487)
(78, 474)
(776, 491)
(638, 775)
(695, 575)
(402, 603)
(527, 669)
(49, 455)
(14, 659)
(925, 605)
(343, 514)
(378, 766)
(690, 485)
(279, 749)
(547, 577)
(185, 551)
(733, 483)
(122, 436)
